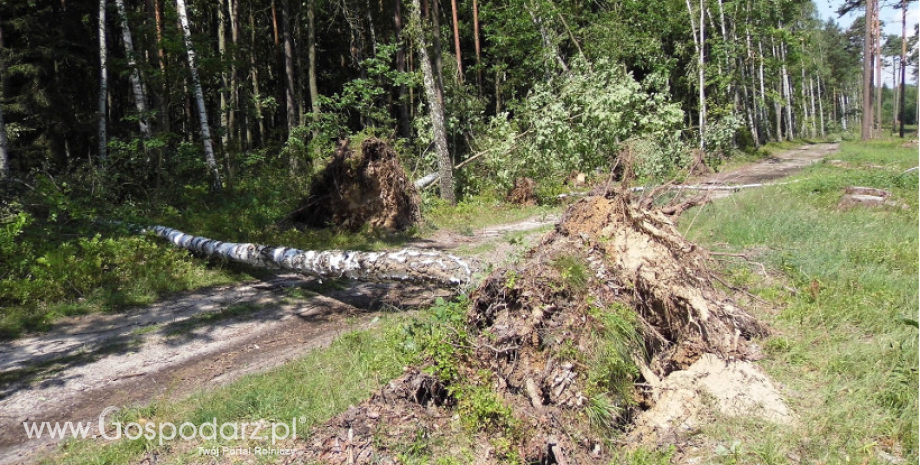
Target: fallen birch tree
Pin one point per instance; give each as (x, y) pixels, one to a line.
(412, 265)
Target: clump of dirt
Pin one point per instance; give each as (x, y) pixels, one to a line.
(523, 192)
(867, 197)
(554, 348)
(357, 189)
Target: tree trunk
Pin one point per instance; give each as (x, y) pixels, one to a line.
(290, 100)
(140, 99)
(224, 78)
(404, 265)
(700, 43)
(435, 106)
(103, 84)
(821, 107)
(476, 45)
(234, 77)
(217, 182)
(404, 124)
(453, 8)
(867, 73)
(4, 145)
(878, 82)
(787, 92)
(903, 64)
(311, 63)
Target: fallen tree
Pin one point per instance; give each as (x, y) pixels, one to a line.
(408, 264)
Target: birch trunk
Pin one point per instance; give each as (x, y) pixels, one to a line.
(140, 99)
(821, 107)
(787, 92)
(435, 107)
(199, 97)
(103, 84)
(903, 65)
(4, 146)
(224, 78)
(867, 74)
(814, 119)
(702, 71)
(411, 265)
(4, 150)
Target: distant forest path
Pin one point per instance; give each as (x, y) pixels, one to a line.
(208, 337)
(775, 167)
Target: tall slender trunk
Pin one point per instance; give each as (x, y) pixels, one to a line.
(867, 73)
(199, 97)
(787, 92)
(103, 83)
(435, 106)
(290, 100)
(254, 74)
(903, 64)
(878, 83)
(4, 146)
(163, 117)
(551, 52)
(821, 107)
(805, 116)
(311, 63)
(476, 45)
(234, 72)
(436, 40)
(140, 99)
(453, 8)
(843, 111)
(814, 119)
(224, 78)
(763, 89)
(403, 128)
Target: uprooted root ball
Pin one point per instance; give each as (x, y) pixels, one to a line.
(357, 189)
(548, 358)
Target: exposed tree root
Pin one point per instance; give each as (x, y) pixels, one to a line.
(538, 337)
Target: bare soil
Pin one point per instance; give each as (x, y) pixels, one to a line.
(198, 340)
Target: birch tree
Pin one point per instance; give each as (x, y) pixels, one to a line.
(140, 98)
(4, 150)
(103, 84)
(867, 118)
(435, 105)
(211, 162)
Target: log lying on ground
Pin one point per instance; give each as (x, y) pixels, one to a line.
(412, 265)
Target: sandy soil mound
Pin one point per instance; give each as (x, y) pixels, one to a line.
(554, 347)
(355, 189)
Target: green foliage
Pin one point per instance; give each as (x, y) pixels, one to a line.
(578, 123)
(439, 338)
(481, 409)
(572, 272)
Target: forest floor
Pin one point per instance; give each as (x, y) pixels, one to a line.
(211, 336)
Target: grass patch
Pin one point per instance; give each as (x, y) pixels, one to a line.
(477, 213)
(841, 347)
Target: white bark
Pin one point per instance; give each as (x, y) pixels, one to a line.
(103, 83)
(4, 150)
(411, 265)
(140, 100)
(435, 107)
(821, 107)
(199, 96)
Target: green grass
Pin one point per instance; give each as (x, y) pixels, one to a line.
(841, 347)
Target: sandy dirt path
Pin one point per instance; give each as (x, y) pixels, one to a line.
(201, 339)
